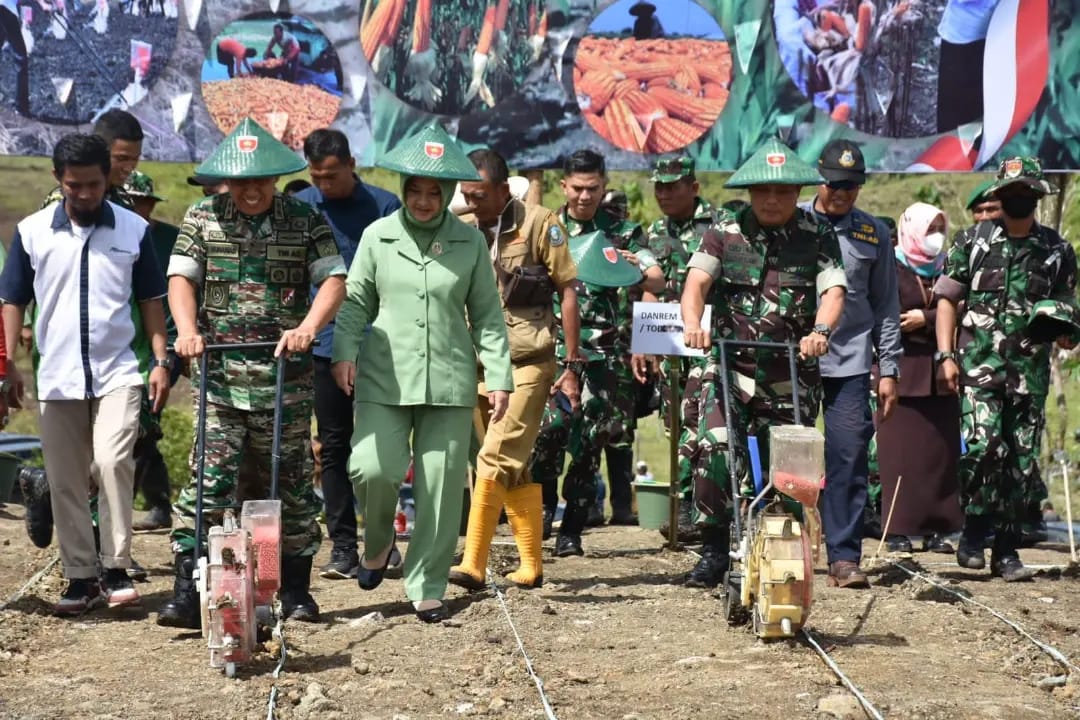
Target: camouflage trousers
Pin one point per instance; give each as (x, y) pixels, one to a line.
(999, 474)
(583, 434)
(623, 407)
(757, 404)
(873, 478)
(230, 434)
(690, 411)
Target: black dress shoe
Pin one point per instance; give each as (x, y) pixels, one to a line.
(434, 615)
(1010, 569)
(970, 556)
(369, 579)
(596, 516)
(567, 545)
(937, 543)
(898, 543)
(623, 517)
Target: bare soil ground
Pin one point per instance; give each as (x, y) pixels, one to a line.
(612, 635)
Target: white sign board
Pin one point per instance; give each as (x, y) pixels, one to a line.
(658, 329)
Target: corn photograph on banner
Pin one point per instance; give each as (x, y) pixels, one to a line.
(923, 85)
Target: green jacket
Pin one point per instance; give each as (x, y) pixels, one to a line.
(431, 314)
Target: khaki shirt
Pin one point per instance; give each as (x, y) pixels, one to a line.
(530, 236)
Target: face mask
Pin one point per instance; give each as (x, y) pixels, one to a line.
(933, 243)
(1019, 207)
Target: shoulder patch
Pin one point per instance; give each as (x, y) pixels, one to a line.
(555, 236)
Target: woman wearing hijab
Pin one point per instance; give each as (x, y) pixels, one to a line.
(921, 441)
(423, 281)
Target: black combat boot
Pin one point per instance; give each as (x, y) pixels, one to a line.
(35, 492)
(714, 561)
(970, 552)
(1004, 560)
(549, 518)
(296, 600)
(687, 531)
(183, 610)
(573, 522)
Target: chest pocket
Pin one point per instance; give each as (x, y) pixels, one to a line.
(1041, 271)
(859, 260)
(222, 261)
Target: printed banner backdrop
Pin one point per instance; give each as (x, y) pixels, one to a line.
(924, 85)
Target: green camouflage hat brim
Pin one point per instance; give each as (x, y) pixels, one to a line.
(140, 185)
(669, 170)
(249, 151)
(774, 164)
(1026, 171)
(599, 263)
(1051, 319)
(1040, 186)
(980, 194)
(431, 153)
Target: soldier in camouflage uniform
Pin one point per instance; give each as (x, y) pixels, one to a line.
(673, 239)
(607, 414)
(251, 255)
(772, 273)
(1018, 282)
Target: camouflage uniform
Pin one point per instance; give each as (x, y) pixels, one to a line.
(607, 407)
(255, 278)
(673, 242)
(1004, 372)
(767, 283)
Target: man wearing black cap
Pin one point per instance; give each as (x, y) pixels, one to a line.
(870, 324)
(647, 26)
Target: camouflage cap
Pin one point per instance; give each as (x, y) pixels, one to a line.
(249, 151)
(980, 194)
(669, 170)
(431, 153)
(599, 263)
(617, 204)
(140, 185)
(1026, 171)
(774, 164)
(1050, 319)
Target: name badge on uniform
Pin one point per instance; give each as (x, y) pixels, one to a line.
(865, 233)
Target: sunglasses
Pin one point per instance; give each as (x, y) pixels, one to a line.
(843, 185)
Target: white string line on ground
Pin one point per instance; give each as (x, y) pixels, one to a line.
(29, 583)
(279, 633)
(549, 712)
(866, 704)
(1050, 650)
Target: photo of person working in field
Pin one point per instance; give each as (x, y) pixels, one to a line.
(656, 86)
(295, 86)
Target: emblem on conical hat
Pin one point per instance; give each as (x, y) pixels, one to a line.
(774, 164)
(599, 263)
(431, 153)
(249, 151)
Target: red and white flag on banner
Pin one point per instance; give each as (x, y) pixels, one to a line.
(141, 55)
(1016, 63)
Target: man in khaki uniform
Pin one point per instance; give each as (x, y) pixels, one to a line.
(532, 261)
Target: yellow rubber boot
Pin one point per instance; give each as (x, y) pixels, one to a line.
(486, 504)
(525, 511)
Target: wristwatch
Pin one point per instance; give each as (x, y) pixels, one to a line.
(574, 365)
(822, 329)
(161, 363)
(942, 356)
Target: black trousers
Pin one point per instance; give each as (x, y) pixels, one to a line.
(334, 414)
(11, 31)
(960, 84)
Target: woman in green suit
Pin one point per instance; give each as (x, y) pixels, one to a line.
(423, 280)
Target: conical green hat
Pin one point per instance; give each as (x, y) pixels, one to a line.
(599, 263)
(1050, 319)
(774, 164)
(250, 152)
(431, 153)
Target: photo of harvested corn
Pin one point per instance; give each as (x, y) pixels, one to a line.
(652, 78)
(874, 64)
(277, 68)
(452, 58)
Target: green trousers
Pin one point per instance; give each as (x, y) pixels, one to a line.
(437, 438)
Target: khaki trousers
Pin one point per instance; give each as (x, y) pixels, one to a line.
(75, 435)
(507, 444)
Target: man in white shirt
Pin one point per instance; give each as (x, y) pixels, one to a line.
(83, 260)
